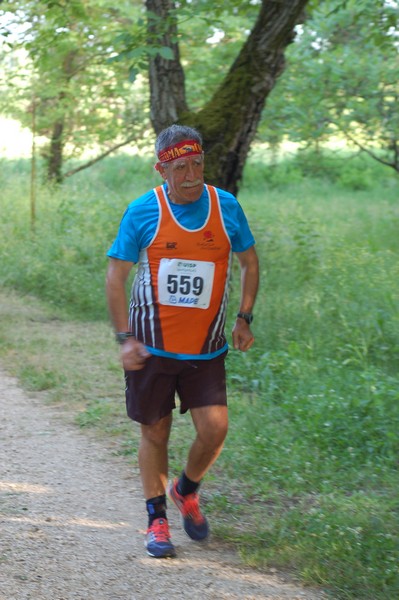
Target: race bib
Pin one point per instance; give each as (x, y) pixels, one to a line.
(185, 283)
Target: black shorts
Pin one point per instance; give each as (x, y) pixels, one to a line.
(151, 391)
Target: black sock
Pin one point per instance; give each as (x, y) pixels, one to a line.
(156, 508)
(185, 486)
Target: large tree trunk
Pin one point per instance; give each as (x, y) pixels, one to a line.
(229, 121)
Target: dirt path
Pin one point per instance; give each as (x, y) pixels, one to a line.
(72, 519)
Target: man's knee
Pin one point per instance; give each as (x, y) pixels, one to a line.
(211, 424)
(157, 433)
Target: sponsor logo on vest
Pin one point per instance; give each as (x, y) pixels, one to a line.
(208, 246)
(208, 236)
(184, 300)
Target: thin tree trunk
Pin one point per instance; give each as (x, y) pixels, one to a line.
(167, 82)
(33, 170)
(54, 164)
(57, 142)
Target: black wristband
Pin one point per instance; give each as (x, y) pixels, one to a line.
(122, 336)
(248, 317)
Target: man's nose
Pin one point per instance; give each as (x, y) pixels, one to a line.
(190, 171)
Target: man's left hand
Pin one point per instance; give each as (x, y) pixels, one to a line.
(243, 337)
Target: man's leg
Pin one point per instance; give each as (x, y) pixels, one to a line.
(153, 457)
(153, 462)
(211, 423)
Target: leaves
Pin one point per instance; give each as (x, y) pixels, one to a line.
(342, 78)
(66, 65)
(81, 61)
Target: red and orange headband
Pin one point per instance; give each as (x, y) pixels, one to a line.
(179, 150)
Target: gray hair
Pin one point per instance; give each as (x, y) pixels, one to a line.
(176, 133)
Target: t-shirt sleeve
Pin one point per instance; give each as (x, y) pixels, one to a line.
(242, 239)
(126, 244)
(236, 223)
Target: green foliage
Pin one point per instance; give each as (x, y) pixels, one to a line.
(77, 73)
(341, 80)
(316, 401)
(212, 38)
(356, 534)
(58, 81)
(74, 63)
(349, 171)
(63, 259)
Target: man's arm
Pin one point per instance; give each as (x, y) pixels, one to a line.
(133, 353)
(242, 335)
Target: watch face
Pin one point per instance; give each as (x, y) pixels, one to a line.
(246, 316)
(122, 336)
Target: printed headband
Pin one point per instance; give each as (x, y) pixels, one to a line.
(179, 150)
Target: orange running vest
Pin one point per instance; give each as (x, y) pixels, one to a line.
(180, 292)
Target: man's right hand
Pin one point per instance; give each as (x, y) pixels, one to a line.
(133, 355)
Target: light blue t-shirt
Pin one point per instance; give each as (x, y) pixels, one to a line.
(140, 221)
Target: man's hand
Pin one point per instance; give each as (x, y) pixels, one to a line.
(242, 336)
(133, 355)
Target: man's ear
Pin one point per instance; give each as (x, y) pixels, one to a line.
(161, 170)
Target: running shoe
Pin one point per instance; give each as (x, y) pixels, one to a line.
(157, 540)
(194, 522)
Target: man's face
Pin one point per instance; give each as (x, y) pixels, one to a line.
(185, 178)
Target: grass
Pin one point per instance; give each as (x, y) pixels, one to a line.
(308, 477)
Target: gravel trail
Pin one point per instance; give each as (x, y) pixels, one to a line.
(72, 522)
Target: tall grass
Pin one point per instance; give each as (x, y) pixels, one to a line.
(308, 478)
(63, 258)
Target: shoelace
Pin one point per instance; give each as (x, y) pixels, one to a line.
(191, 508)
(160, 531)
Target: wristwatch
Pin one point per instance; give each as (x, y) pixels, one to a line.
(248, 317)
(122, 336)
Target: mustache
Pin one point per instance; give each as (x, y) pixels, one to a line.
(192, 183)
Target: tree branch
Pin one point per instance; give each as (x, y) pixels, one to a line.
(99, 157)
(393, 165)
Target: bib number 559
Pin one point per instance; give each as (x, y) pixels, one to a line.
(185, 284)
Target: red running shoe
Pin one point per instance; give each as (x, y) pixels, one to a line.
(194, 522)
(157, 540)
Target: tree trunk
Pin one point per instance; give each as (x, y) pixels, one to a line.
(57, 141)
(228, 122)
(54, 161)
(167, 85)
